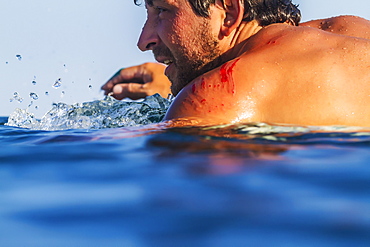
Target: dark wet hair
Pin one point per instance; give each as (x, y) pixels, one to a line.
(266, 12)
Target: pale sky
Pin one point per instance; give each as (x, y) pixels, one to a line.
(84, 43)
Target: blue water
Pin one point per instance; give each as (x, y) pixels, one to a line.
(243, 185)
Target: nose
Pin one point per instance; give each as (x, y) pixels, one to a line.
(148, 37)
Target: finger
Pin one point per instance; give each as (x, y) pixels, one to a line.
(135, 74)
(129, 90)
(115, 79)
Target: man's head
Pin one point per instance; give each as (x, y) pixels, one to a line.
(191, 35)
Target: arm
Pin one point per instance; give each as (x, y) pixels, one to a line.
(138, 82)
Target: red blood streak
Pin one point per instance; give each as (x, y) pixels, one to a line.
(203, 83)
(226, 71)
(193, 88)
(203, 101)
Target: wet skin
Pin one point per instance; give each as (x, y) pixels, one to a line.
(314, 74)
(321, 80)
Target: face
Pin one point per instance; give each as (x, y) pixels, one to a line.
(180, 39)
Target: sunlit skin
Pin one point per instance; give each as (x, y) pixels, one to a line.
(346, 25)
(314, 74)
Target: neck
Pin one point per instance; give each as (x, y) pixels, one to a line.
(236, 43)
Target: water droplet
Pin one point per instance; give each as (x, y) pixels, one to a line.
(58, 83)
(30, 104)
(46, 93)
(19, 57)
(34, 96)
(6, 62)
(17, 97)
(34, 82)
(90, 87)
(36, 107)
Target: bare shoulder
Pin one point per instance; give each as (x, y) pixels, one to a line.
(211, 98)
(345, 25)
(231, 93)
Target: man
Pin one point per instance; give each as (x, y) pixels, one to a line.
(236, 61)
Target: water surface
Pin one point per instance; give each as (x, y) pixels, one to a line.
(145, 185)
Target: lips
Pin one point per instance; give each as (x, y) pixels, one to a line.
(167, 61)
(163, 55)
(169, 70)
(163, 59)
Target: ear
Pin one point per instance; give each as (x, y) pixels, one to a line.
(234, 10)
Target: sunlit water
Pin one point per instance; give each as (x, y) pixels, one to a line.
(104, 174)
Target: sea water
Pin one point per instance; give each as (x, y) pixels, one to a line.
(103, 173)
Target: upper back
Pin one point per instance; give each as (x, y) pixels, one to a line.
(345, 25)
(311, 76)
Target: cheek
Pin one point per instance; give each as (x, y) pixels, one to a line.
(183, 32)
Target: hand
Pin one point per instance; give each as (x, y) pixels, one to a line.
(138, 82)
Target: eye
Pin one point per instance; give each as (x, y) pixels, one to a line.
(160, 10)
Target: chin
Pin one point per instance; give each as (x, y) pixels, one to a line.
(174, 91)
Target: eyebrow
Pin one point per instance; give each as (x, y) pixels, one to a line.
(150, 2)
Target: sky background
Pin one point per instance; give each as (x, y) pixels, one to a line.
(82, 44)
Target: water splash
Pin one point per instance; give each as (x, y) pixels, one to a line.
(21, 117)
(99, 114)
(19, 57)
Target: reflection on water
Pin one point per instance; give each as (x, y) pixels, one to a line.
(238, 185)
